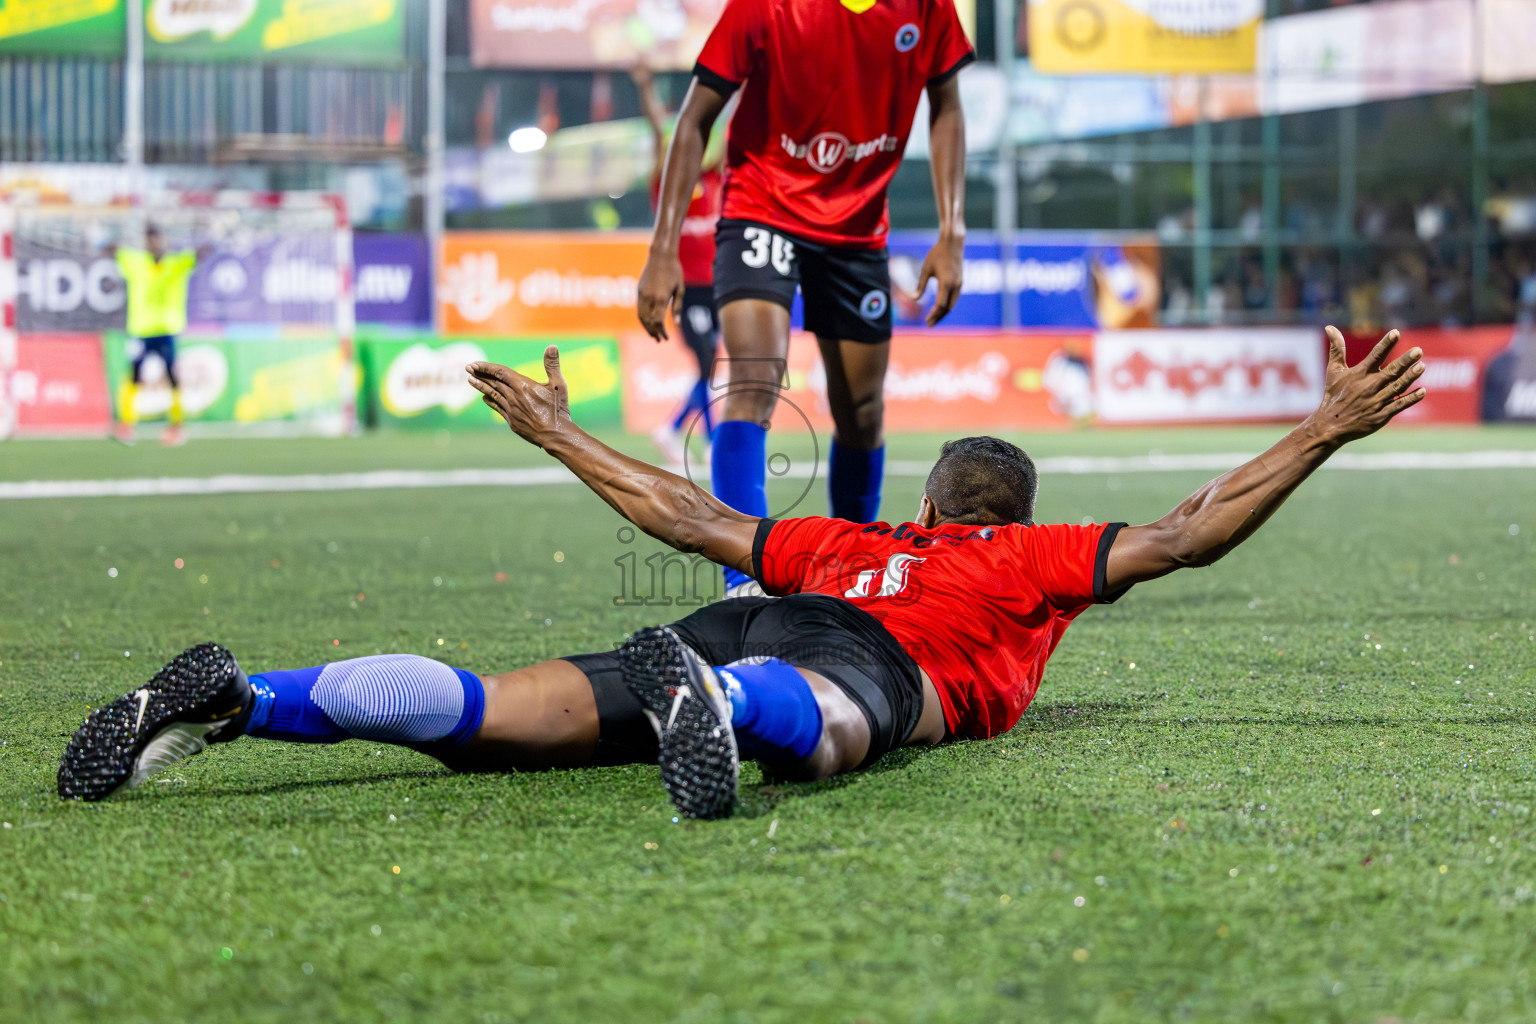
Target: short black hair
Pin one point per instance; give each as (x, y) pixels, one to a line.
(983, 481)
(153, 229)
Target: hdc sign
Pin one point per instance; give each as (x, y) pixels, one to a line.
(65, 291)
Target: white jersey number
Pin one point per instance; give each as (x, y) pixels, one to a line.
(887, 582)
(766, 246)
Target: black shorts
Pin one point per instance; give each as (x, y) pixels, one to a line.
(162, 345)
(701, 327)
(847, 291)
(824, 634)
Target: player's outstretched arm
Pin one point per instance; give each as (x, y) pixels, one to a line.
(664, 505)
(945, 262)
(650, 105)
(1357, 401)
(661, 282)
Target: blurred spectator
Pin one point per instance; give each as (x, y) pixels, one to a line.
(1410, 264)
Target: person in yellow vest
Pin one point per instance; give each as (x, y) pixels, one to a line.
(156, 281)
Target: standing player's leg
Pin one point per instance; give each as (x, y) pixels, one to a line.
(700, 333)
(127, 404)
(848, 308)
(167, 349)
(856, 395)
(756, 272)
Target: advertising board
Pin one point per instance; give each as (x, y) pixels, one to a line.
(420, 382)
(1188, 376)
(59, 385)
(499, 284)
(952, 381)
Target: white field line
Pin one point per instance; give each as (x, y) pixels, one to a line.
(416, 479)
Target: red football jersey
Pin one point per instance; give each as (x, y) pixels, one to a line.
(827, 104)
(980, 609)
(696, 244)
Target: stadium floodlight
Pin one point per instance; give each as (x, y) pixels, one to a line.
(527, 140)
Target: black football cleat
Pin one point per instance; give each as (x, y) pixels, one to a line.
(686, 703)
(201, 697)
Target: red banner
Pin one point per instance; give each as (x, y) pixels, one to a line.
(934, 382)
(1456, 363)
(60, 385)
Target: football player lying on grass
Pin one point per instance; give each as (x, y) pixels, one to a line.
(885, 636)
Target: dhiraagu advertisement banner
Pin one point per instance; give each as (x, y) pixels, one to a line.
(96, 27)
(419, 381)
(1144, 36)
(345, 31)
(244, 381)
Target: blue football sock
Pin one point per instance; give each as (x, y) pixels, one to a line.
(397, 698)
(773, 711)
(853, 483)
(737, 466)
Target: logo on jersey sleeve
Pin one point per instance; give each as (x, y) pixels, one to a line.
(907, 37)
(873, 305)
(887, 582)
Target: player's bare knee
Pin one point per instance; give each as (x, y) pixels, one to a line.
(862, 424)
(827, 760)
(754, 404)
(869, 419)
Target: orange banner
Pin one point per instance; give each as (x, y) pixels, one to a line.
(509, 283)
(935, 382)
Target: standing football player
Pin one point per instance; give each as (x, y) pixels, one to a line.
(156, 281)
(696, 253)
(829, 89)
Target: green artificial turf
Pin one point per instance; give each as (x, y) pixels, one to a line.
(1296, 786)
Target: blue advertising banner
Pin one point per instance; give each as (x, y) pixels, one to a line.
(394, 279)
(292, 279)
(1058, 280)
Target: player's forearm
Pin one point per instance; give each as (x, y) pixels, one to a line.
(680, 173)
(675, 511)
(946, 152)
(651, 108)
(1225, 512)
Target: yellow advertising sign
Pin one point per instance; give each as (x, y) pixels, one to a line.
(22, 16)
(62, 26)
(1144, 36)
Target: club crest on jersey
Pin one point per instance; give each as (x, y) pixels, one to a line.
(907, 37)
(872, 306)
(827, 151)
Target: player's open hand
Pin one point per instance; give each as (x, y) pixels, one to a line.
(534, 411)
(661, 285)
(945, 264)
(1361, 399)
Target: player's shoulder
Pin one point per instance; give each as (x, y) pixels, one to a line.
(816, 524)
